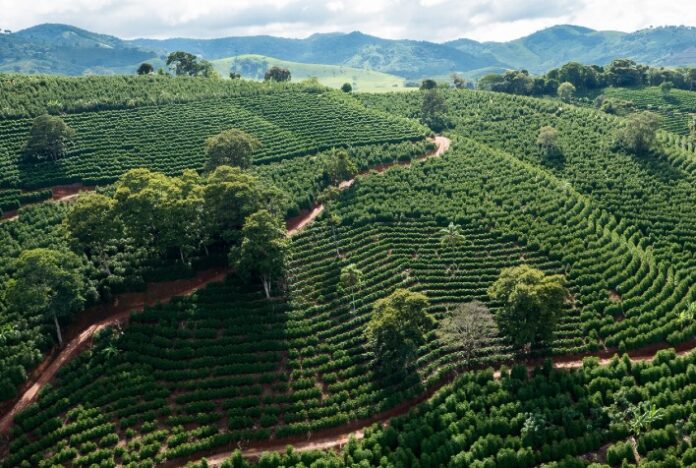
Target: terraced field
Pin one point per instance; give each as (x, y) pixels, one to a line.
(229, 369)
(651, 196)
(675, 108)
(108, 143)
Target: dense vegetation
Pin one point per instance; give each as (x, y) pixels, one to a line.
(562, 230)
(288, 121)
(555, 417)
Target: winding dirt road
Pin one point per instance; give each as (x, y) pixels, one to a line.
(295, 224)
(336, 438)
(79, 333)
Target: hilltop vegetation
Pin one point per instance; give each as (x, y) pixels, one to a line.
(113, 120)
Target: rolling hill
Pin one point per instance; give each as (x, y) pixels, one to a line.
(254, 67)
(62, 49)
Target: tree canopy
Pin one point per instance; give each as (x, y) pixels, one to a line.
(93, 225)
(263, 249)
(47, 282)
(231, 147)
(531, 303)
(145, 69)
(49, 138)
(434, 110)
(186, 64)
(566, 91)
(347, 88)
(339, 166)
(277, 74)
(638, 132)
(397, 328)
(467, 328)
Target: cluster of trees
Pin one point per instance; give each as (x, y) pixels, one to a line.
(159, 215)
(185, 214)
(186, 64)
(277, 74)
(619, 73)
(530, 301)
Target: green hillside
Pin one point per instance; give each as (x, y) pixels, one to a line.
(333, 76)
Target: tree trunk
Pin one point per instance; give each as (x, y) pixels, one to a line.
(181, 254)
(58, 333)
(105, 264)
(266, 286)
(634, 447)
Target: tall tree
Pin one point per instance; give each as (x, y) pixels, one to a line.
(231, 147)
(397, 328)
(459, 81)
(566, 91)
(145, 69)
(638, 132)
(49, 283)
(277, 74)
(452, 237)
(94, 226)
(229, 196)
(143, 203)
(434, 110)
(531, 304)
(350, 282)
(467, 328)
(428, 84)
(347, 88)
(186, 64)
(49, 138)
(339, 166)
(547, 141)
(263, 249)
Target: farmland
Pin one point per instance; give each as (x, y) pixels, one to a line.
(237, 367)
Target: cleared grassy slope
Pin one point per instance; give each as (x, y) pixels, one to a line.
(253, 66)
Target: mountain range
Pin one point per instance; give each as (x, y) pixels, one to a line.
(63, 49)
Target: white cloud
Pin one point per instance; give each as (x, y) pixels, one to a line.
(435, 20)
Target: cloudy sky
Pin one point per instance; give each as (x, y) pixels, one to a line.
(434, 20)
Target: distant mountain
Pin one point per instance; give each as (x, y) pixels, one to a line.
(61, 49)
(552, 47)
(410, 59)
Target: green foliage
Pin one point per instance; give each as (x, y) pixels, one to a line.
(49, 139)
(338, 167)
(638, 133)
(277, 74)
(231, 147)
(350, 282)
(347, 88)
(186, 64)
(145, 69)
(263, 249)
(433, 110)
(49, 283)
(397, 328)
(566, 91)
(531, 304)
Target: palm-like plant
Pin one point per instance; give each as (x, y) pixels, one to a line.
(688, 315)
(638, 418)
(452, 237)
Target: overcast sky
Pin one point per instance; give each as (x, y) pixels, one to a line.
(434, 20)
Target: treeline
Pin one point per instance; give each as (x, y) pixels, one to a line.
(619, 73)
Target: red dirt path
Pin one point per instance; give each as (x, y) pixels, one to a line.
(78, 334)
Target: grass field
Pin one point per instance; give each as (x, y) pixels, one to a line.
(254, 66)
